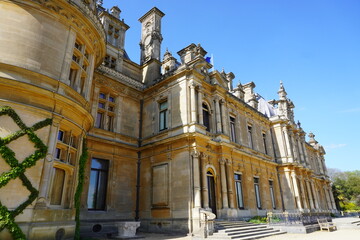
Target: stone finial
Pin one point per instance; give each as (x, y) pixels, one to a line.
(167, 54)
(312, 140)
(115, 11)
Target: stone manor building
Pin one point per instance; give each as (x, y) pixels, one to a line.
(168, 139)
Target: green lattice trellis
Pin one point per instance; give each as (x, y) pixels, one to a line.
(7, 217)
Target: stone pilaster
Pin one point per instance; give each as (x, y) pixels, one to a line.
(224, 119)
(42, 200)
(230, 183)
(196, 174)
(200, 110)
(204, 186)
(192, 103)
(224, 195)
(310, 194)
(296, 190)
(218, 115)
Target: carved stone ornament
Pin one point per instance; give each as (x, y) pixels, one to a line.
(121, 78)
(195, 153)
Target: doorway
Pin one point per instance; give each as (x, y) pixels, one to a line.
(211, 191)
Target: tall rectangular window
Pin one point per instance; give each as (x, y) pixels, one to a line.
(272, 194)
(58, 187)
(250, 137)
(106, 111)
(206, 116)
(98, 184)
(232, 130)
(99, 120)
(163, 108)
(239, 192)
(257, 192)
(264, 142)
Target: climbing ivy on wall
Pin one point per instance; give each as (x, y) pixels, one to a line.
(79, 188)
(18, 169)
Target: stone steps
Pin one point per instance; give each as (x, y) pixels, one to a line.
(242, 230)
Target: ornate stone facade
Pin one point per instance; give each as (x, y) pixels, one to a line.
(167, 140)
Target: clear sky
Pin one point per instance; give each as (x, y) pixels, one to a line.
(313, 46)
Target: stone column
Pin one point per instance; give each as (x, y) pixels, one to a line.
(327, 196)
(218, 117)
(310, 194)
(204, 186)
(47, 167)
(287, 145)
(230, 183)
(192, 103)
(196, 174)
(200, 110)
(302, 160)
(305, 152)
(224, 117)
(303, 195)
(94, 107)
(224, 195)
(65, 69)
(315, 195)
(296, 190)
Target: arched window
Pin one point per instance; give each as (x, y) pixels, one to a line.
(211, 190)
(206, 116)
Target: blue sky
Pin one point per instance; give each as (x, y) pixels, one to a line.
(313, 46)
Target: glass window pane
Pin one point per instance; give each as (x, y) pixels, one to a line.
(92, 189)
(99, 164)
(58, 187)
(163, 105)
(99, 120)
(98, 184)
(60, 135)
(102, 96)
(101, 190)
(101, 105)
(162, 120)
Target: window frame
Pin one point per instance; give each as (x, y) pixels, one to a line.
(250, 136)
(272, 193)
(257, 192)
(206, 116)
(232, 120)
(53, 188)
(163, 115)
(104, 185)
(264, 138)
(239, 197)
(106, 107)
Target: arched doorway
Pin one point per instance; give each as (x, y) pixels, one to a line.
(211, 190)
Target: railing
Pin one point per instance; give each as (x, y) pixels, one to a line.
(207, 223)
(297, 218)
